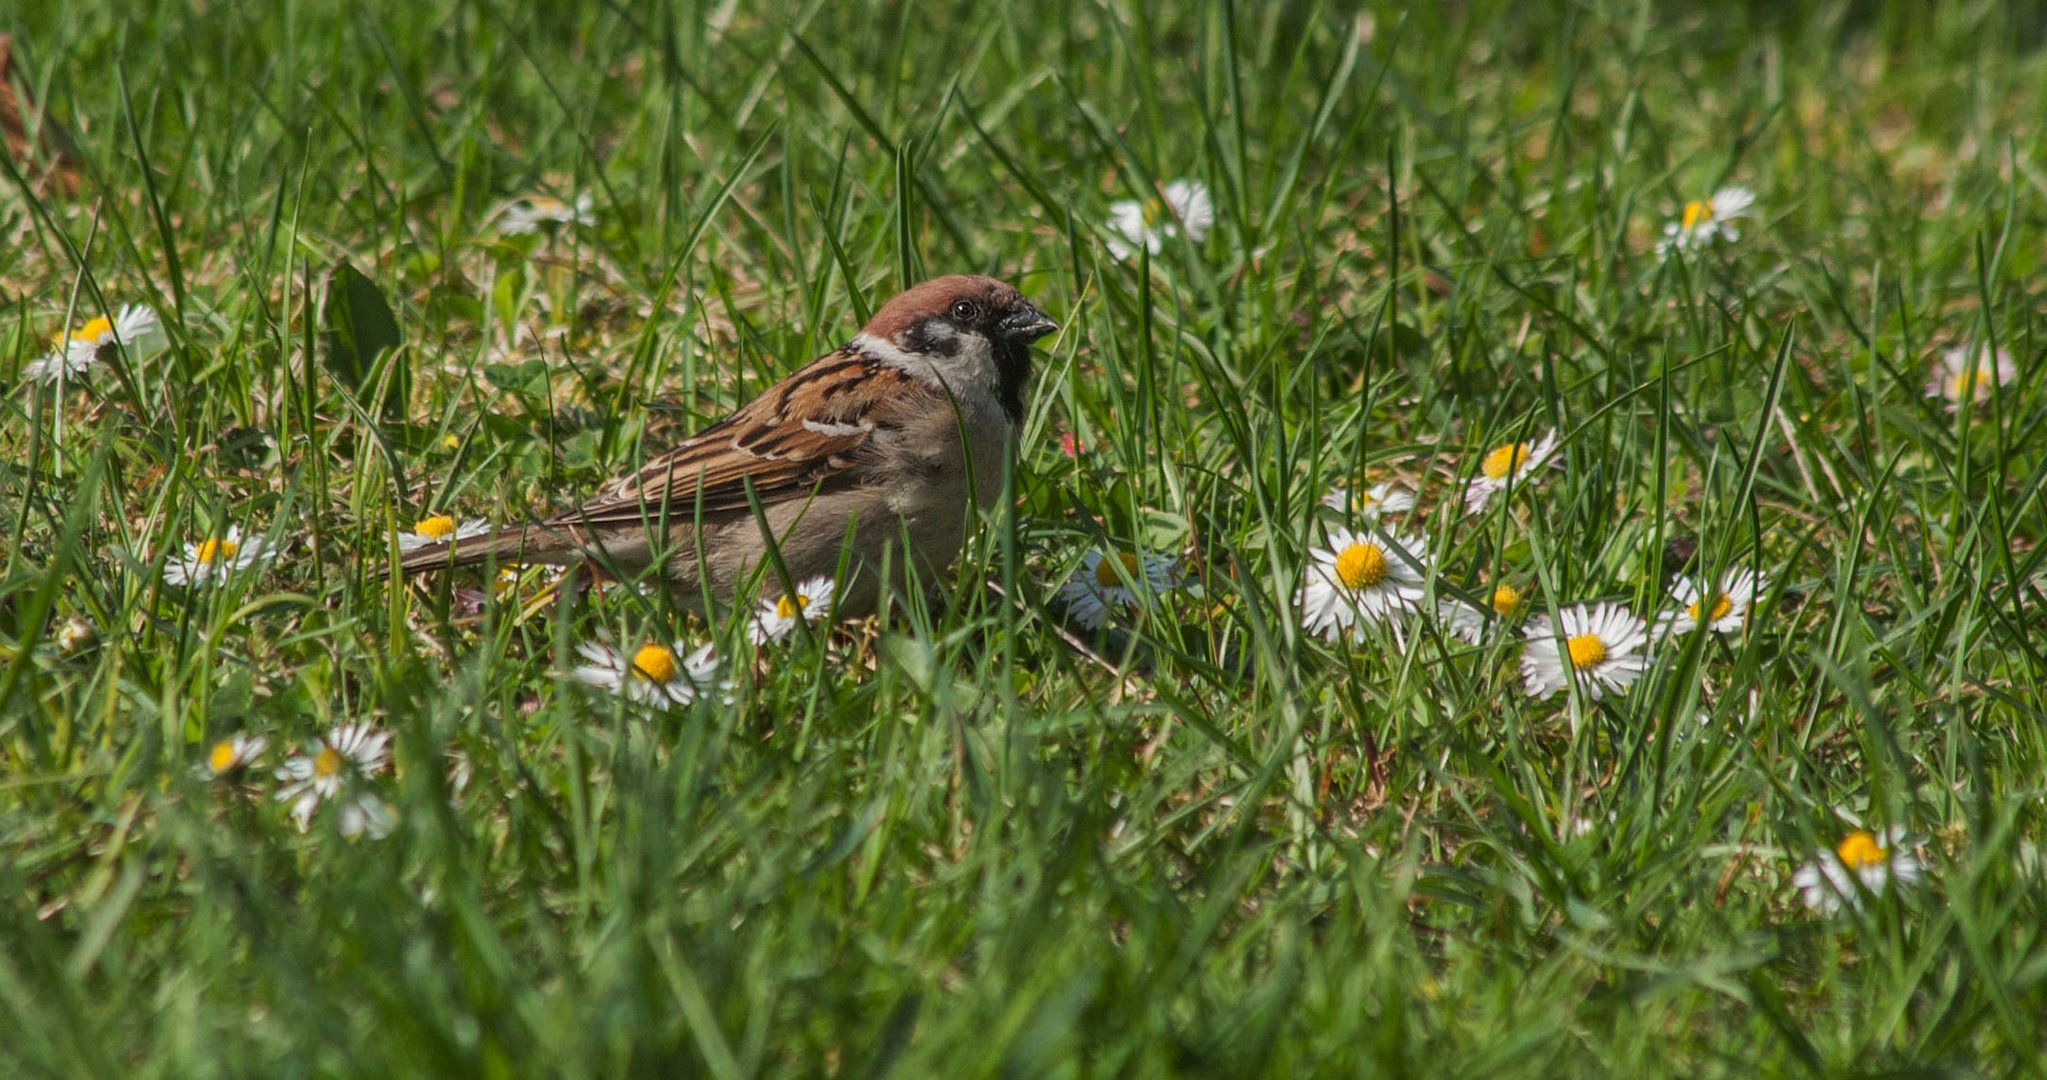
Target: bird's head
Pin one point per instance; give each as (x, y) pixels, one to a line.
(962, 330)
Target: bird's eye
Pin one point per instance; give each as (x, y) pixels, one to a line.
(965, 311)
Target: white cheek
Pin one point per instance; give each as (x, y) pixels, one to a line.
(970, 350)
(972, 357)
(970, 368)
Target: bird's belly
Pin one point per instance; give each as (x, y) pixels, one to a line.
(937, 512)
(858, 538)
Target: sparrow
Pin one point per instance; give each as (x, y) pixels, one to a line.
(870, 457)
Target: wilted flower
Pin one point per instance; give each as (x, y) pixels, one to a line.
(75, 634)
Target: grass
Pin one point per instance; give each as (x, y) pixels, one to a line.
(980, 840)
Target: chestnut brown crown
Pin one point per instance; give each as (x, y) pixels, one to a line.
(969, 302)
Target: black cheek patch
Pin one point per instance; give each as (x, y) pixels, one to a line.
(920, 339)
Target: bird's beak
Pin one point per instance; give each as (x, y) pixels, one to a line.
(1027, 323)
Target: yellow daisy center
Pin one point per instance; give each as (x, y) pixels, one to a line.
(1722, 604)
(1697, 213)
(1361, 566)
(1587, 650)
(655, 662)
(543, 204)
(1505, 461)
(222, 757)
(787, 607)
(1105, 570)
(1859, 849)
(1966, 383)
(326, 763)
(1506, 601)
(92, 333)
(1154, 211)
(216, 551)
(435, 527)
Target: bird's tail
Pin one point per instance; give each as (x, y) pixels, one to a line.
(524, 544)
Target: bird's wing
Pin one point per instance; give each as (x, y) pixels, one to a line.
(802, 435)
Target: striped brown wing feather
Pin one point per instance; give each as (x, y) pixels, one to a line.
(767, 442)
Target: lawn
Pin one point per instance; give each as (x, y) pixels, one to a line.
(1524, 559)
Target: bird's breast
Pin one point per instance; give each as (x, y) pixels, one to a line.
(948, 470)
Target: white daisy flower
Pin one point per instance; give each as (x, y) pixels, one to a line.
(318, 774)
(1968, 376)
(1575, 827)
(133, 328)
(1370, 502)
(1359, 579)
(232, 754)
(1511, 465)
(1148, 224)
(211, 561)
(438, 529)
(655, 674)
(1722, 610)
(1704, 221)
(777, 617)
(1601, 647)
(1861, 861)
(1505, 606)
(366, 815)
(1096, 590)
(533, 213)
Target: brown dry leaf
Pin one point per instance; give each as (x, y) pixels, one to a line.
(61, 171)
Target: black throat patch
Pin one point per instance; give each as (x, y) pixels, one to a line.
(1012, 370)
